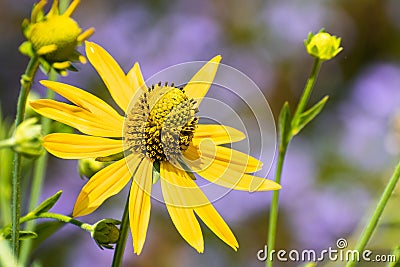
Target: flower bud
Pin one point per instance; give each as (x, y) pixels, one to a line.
(27, 138)
(323, 45)
(54, 37)
(89, 167)
(105, 233)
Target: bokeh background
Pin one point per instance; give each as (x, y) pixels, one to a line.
(336, 168)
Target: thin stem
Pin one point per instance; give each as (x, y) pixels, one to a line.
(58, 217)
(373, 222)
(273, 215)
(39, 174)
(305, 97)
(26, 83)
(123, 235)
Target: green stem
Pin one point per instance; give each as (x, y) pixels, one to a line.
(7, 143)
(273, 215)
(58, 217)
(307, 89)
(38, 177)
(373, 222)
(123, 235)
(26, 83)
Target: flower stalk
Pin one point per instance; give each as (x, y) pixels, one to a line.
(373, 221)
(322, 46)
(38, 177)
(26, 83)
(123, 235)
(283, 144)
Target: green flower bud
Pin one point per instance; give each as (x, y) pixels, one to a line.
(323, 45)
(27, 138)
(89, 167)
(54, 37)
(105, 233)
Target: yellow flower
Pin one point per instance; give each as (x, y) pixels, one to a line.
(323, 45)
(54, 37)
(161, 138)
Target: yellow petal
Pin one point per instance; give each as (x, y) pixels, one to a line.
(198, 86)
(216, 223)
(76, 146)
(209, 153)
(104, 184)
(217, 169)
(139, 204)
(111, 73)
(86, 101)
(71, 8)
(219, 134)
(179, 189)
(135, 78)
(180, 195)
(76, 117)
(187, 225)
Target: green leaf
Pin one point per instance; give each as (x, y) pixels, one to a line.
(47, 204)
(22, 234)
(308, 116)
(284, 126)
(156, 171)
(113, 157)
(26, 49)
(27, 235)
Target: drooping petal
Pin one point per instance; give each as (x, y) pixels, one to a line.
(135, 78)
(219, 134)
(76, 146)
(187, 225)
(139, 204)
(230, 174)
(198, 86)
(181, 192)
(179, 189)
(104, 184)
(216, 223)
(111, 73)
(178, 204)
(86, 101)
(76, 117)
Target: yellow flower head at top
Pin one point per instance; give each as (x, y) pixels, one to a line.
(323, 45)
(158, 139)
(54, 37)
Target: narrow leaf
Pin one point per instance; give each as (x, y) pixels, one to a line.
(27, 235)
(22, 234)
(308, 116)
(47, 204)
(156, 171)
(113, 157)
